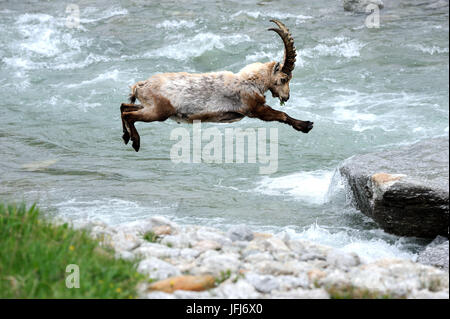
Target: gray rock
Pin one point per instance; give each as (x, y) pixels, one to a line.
(189, 253)
(258, 257)
(135, 227)
(262, 283)
(239, 290)
(157, 269)
(360, 6)
(436, 253)
(178, 241)
(156, 250)
(126, 255)
(404, 190)
(124, 241)
(240, 233)
(291, 282)
(220, 264)
(343, 260)
(204, 234)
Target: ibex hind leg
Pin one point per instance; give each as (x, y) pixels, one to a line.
(127, 130)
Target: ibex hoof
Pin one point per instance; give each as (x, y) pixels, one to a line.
(136, 145)
(309, 126)
(126, 137)
(304, 126)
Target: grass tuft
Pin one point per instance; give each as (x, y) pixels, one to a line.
(35, 254)
(151, 237)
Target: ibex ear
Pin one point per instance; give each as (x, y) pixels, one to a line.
(276, 68)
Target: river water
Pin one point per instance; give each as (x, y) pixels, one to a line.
(366, 89)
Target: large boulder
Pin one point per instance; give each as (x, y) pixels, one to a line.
(404, 190)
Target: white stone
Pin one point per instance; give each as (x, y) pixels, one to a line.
(156, 250)
(189, 253)
(262, 283)
(275, 244)
(161, 221)
(180, 240)
(206, 234)
(204, 245)
(291, 282)
(124, 241)
(342, 260)
(258, 257)
(138, 227)
(240, 233)
(126, 255)
(157, 269)
(239, 290)
(220, 264)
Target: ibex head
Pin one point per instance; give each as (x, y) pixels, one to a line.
(282, 74)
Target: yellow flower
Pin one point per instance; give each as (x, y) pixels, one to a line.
(71, 247)
(119, 290)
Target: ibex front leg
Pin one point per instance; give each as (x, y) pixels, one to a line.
(266, 113)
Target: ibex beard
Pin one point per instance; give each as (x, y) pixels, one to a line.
(222, 97)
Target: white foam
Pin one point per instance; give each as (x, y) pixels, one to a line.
(261, 55)
(196, 46)
(99, 15)
(175, 24)
(272, 14)
(109, 210)
(310, 187)
(430, 50)
(107, 76)
(338, 46)
(344, 114)
(367, 249)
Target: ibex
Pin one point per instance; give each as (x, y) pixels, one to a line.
(223, 97)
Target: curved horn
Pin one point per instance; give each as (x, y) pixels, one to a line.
(289, 48)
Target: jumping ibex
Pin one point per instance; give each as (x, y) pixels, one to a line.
(214, 97)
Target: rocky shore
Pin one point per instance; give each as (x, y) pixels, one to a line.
(187, 261)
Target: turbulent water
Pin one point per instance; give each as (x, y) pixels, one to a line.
(365, 89)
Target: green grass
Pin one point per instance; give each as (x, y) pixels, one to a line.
(351, 292)
(34, 255)
(151, 237)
